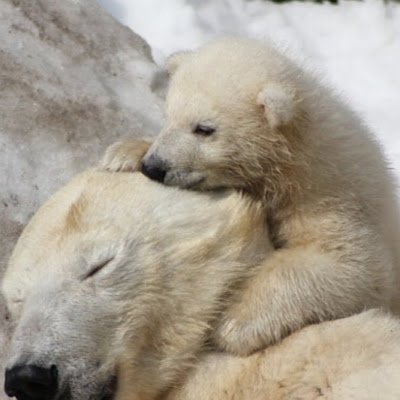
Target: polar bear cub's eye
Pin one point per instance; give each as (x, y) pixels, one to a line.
(203, 130)
(96, 268)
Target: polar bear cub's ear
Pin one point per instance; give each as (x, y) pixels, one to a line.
(176, 59)
(279, 103)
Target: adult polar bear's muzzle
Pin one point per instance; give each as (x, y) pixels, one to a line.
(96, 273)
(55, 349)
(36, 382)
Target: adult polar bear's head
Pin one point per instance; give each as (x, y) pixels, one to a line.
(235, 117)
(115, 262)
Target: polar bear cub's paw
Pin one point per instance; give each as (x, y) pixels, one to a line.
(242, 334)
(124, 156)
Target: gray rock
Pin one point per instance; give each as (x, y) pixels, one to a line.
(72, 80)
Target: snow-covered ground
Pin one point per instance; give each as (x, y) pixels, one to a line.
(356, 44)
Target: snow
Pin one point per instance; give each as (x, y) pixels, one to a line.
(356, 45)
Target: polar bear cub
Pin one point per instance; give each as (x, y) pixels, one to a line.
(241, 115)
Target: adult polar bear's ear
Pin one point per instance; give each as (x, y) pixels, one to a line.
(279, 103)
(176, 59)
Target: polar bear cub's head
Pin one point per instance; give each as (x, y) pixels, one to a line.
(234, 111)
(117, 269)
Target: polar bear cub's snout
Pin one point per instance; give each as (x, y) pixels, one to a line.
(155, 168)
(172, 171)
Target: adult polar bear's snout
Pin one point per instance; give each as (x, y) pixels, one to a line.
(61, 344)
(115, 262)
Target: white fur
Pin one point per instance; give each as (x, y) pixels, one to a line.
(279, 104)
(174, 259)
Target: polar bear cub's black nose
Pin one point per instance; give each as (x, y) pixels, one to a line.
(30, 382)
(154, 169)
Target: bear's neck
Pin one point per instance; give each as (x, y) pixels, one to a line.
(285, 169)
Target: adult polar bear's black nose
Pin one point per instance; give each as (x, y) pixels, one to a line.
(30, 382)
(154, 169)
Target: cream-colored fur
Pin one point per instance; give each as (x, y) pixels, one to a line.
(352, 358)
(285, 138)
(114, 262)
(170, 259)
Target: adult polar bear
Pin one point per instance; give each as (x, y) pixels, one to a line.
(242, 115)
(117, 281)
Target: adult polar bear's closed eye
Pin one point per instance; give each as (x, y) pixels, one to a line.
(242, 115)
(117, 281)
